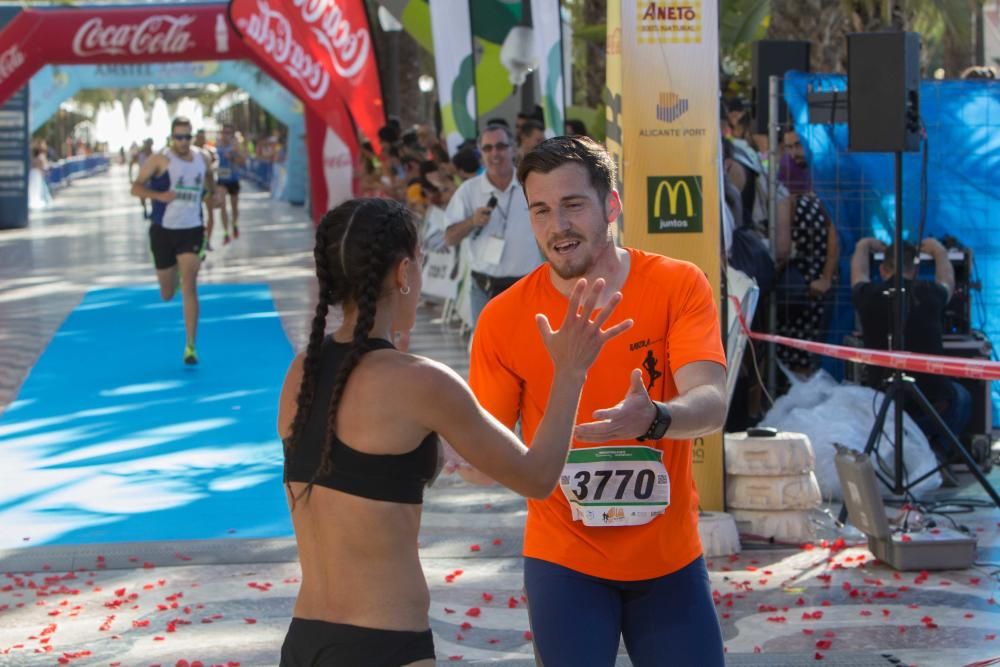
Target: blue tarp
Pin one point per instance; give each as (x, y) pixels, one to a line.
(962, 119)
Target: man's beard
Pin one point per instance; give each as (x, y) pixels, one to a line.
(577, 267)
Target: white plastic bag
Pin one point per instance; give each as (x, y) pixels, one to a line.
(828, 412)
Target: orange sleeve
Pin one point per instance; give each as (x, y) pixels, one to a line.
(694, 333)
(495, 385)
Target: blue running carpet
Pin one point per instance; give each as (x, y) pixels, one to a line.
(114, 439)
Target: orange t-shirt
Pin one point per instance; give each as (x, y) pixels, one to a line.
(676, 322)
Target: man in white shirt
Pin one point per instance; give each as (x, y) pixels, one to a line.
(490, 213)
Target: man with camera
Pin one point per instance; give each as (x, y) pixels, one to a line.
(490, 213)
(923, 330)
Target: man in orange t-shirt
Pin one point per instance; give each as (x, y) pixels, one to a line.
(614, 552)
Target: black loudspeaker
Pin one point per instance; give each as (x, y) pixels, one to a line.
(774, 57)
(883, 91)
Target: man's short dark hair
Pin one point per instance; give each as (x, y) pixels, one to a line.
(557, 151)
(531, 126)
(180, 120)
(909, 258)
(577, 125)
(467, 160)
(427, 167)
(497, 121)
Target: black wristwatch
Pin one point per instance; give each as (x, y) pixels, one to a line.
(661, 422)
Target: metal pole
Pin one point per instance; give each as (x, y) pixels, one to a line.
(899, 340)
(774, 87)
(528, 87)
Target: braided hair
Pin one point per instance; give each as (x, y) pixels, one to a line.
(357, 244)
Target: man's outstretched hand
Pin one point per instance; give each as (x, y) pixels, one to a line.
(627, 420)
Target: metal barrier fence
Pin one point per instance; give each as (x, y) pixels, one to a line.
(61, 173)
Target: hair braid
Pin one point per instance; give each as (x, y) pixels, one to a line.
(357, 245)
(311, 363)
(374, 273)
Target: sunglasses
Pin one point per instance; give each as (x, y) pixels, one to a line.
(489, 148)
(183, 137)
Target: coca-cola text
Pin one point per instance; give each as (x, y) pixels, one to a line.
(157, 35)
(10, 60)
(272, 31)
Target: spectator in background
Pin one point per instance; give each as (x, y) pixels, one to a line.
(793, 170)
(807, 252)
(490, 214)
(575, 127)
(532, 134)
(439, 189)
(466, 163)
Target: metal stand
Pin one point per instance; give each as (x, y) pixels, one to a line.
(900, 386)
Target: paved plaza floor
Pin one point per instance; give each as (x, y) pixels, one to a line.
(200, 575)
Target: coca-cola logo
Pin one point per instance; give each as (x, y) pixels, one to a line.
(272, 31)
(156, 35)
(347, 47)
(10, 60)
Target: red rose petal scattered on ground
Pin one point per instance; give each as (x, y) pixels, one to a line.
(466, 626)
(120, 592)
(487, 597)
(528, 636)
(474, 547)
(818, 656)
(968, 615)
(449, 611)
(454, 658)
(182, 663)
(824, 644)
(249, 621)
(512, 602)
(158, 638)
(473, 612)
(807, 631)
(990, 637)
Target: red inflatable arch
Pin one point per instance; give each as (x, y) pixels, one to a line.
(320, 50)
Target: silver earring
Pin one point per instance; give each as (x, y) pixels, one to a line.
(404, 290)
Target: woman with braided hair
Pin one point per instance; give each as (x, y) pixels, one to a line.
(360, 420)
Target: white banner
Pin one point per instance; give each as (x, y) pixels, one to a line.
(452, 31)
(546, 24)
(441, 273)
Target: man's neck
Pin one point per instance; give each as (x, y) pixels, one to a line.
(501, 183)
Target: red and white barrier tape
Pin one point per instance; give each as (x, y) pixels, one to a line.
(934, 364)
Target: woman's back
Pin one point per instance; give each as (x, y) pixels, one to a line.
(357, 529)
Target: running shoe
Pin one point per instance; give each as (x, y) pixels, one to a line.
(225, 239)
(190, 356)
(236, 231)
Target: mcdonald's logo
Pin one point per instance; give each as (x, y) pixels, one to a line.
(674, 204)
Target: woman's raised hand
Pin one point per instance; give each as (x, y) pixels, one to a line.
(576, 344)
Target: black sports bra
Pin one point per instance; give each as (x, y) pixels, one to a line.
(398, 478)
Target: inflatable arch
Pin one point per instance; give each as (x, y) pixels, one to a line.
(320, 52)
(53, 85)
